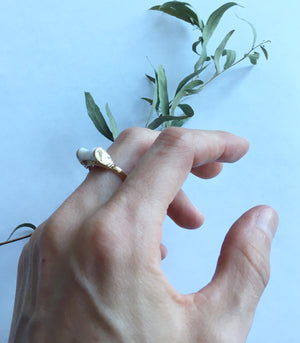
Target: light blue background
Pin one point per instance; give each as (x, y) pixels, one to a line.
(53, 51)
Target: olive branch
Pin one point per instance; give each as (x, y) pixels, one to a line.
(161, 107)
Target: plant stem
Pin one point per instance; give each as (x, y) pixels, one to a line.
(15, 240)
(235, 63)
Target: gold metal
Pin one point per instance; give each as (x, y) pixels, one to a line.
(101, 158)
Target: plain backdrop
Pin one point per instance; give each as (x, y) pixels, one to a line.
(51, 52)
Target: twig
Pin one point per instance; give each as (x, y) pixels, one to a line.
(15, 240)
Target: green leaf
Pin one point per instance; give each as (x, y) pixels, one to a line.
(189, 88)
(31, 226)
(187, 109)
(201, 24)
(254, 57)
(150, 78)
(112, 122)
(220, 50)
(180, 10)
(265, 52)
(209, 29)
(179, 123)
(155, 102)
(164, 119)
(253, 30)
(195, 45)
(214, 20)
(188, 78)
(97, 117)
(150, 101)
(193, 91)
(163, 91)
(202, 59)
(230, 58)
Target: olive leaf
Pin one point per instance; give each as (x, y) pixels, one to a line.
(253, 30)
(214, 20)
(254, 57)
(97, 117)
(164, 119)
(180, 10)
(190, 77)
(265, 52)
(209, 29)
(230, 58)
(9, 240)
(187, 109)
(220, 49)
(31, 226)
(179, 122)
(184, 91)
(195, 45)
(150, 101)
(155, 101)
(163, 91)
(150, 78)
(112, 122)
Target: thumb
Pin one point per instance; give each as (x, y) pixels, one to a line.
(243, 268)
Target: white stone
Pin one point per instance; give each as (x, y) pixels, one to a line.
(85, 155)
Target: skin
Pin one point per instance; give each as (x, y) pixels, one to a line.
(92, 271)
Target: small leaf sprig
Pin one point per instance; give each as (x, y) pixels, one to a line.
(161, 106)
(9, 240)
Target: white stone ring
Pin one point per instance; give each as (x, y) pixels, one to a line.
(98, 157)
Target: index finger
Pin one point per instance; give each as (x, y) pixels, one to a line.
(159, 175)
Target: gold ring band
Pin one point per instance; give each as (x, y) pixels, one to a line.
(99, 158)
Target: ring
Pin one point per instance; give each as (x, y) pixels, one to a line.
(99, 157)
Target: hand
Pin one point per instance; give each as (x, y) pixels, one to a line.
(92, 271)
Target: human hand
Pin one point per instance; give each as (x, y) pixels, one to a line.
(92, 271)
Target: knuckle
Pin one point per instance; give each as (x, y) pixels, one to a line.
(103, 238)
(132, 134)
(48, 237)
(140, 139)
(175, 137)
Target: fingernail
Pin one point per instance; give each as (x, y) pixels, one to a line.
(267, 220)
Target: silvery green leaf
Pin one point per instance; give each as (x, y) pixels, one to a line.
(31, 226)
(193, 91)
(254, 57)
(150, 101)
(214, 20)
(195, 45)
(155, 102)
(163, 91)
(150, 78)
(230, 58)
(265, 52)
(253, 30)
(164, 119)
(220, 49)
(180, 10)
(187, 109)
(203, 57)
(112, 122)
(209, 29)
(179, 123)
(185, 90)
(188, 78)
(201, 25)
(97, 117)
